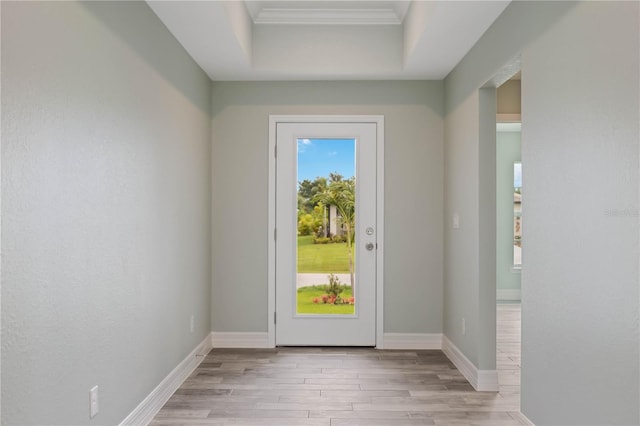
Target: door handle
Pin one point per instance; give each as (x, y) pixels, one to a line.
(369, 246)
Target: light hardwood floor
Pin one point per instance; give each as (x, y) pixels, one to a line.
(508, 348)
(346, 386)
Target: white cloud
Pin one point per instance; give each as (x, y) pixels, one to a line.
(303, 144)
(333, 153)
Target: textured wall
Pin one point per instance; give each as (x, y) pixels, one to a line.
(105, 208)
(580, 111)
(413, 197)
(469, 254)
(580, 283)
(461, 249)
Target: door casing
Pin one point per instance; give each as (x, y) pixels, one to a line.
(271, 300)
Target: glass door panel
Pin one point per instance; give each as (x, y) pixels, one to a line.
(325, 255)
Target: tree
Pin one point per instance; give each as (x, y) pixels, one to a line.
(342, 194)
(307, 190)
(335, 177)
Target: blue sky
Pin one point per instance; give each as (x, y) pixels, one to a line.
(319, 157)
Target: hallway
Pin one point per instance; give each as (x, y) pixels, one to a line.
(346, 386)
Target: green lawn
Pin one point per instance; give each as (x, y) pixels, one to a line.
(314, 258)
(306, 305)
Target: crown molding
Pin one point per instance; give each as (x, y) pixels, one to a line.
(281, 16)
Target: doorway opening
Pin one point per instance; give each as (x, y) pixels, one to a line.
(509, 236)
(326, 230)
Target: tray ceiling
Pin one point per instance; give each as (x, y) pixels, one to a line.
(327, 40)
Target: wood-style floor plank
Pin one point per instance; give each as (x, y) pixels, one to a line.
(347, 387)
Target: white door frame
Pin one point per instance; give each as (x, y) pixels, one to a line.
(271, 299)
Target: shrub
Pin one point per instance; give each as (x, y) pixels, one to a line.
(305, 224)
(339, 239)
(321, 240)
(333, 290)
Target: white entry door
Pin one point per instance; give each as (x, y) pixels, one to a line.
(326, 222)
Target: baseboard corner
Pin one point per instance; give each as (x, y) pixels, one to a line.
(151, 405)
(481, 380)
(523, 419)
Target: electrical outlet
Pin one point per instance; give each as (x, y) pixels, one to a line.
(93, 402)
(464, 327)
(456, 221)
(193, 324)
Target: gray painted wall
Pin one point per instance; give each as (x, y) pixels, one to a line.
(507, 152)
(580, 283)
(470, 258)
(461, 250)
(413, 197)
(105, 208)
(580, 137)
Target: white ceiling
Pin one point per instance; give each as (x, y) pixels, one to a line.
(238, 40)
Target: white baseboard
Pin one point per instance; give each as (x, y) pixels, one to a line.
(508, 294)
(151, 405)
(481, 380)
(240, 340)
(412, 341)
(523, 419)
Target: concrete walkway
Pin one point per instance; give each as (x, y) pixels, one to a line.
(305, 280)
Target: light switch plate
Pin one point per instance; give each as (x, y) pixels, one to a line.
(93, 404)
